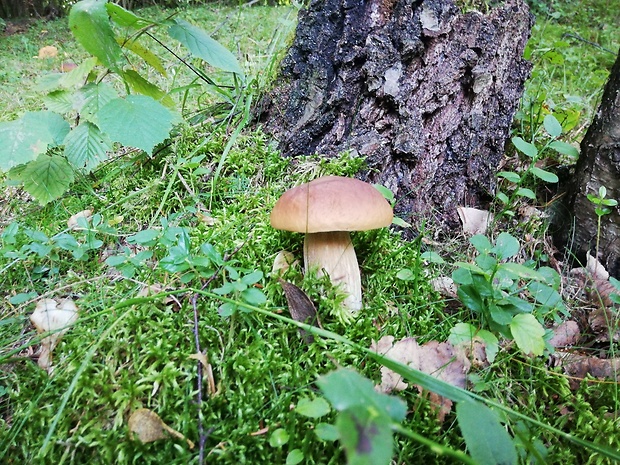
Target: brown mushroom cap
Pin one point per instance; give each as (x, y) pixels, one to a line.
(331, 203)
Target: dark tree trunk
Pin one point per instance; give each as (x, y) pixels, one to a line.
(599, 165)
(425, 93)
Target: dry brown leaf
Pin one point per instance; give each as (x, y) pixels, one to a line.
(146, 426)
(204, 361)
(474, 221)
(444, 286)
(565, 334)
(72, 223)
(604, 324)
(49, 51)
(579, 366)
(439, 359)
(55, 318)
(596, 268)
(301, 308)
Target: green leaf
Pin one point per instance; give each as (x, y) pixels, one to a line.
(481, 243)
(432, 257)
(487, 440)
(149, 57)
(89, 23)
(278, 438)
(253, 296)
(525, 147)
(345, 389)
(47, 178)
(326, 432)
(502, 198)
(521, 271)
(528, 333)
(24, 139)
(125, 18)
(365, 436)
(564, 148)
(506, 246)
(294, 457)
(461, 332)
(552, 126)
(510, 176)
(499, 314)
(203, 46)
(140, 85)
(79, 75)
(469, 296)
(93, 97)
(59, 101)
(545, 295)
(405, 274)
(491, 342)
(525, 192)
(137, 121)
(86, 146)
(312, 408)
(544, 175)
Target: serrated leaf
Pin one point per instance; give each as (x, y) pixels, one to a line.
(136, 121)
(564, 148)
(78, 76)
(24, 139)
(93, 97)
(142, 86)
(544, 175)
(528, 333)
(312, 408)
(125, 18)
(203, 46)
(487, 440)
(59, 101)
(552, 126)
(90, 25)
(47, 178)
(86, 146)
(525, 147)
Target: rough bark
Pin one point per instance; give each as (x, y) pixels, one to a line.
(425, 93)
(599, 165)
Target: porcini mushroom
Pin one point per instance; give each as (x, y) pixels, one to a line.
(326, 210)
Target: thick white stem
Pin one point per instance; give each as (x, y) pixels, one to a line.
(332, 254)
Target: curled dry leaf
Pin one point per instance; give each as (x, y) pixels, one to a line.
(283, 261)
(596, 268)
(474, 221)
(72, 223)
(604, 324)
(49, 51)
(55, 318)
(204, 361)
(439, 359)
(444, 286)
(146, 426)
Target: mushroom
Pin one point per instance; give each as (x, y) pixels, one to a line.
(326, 209)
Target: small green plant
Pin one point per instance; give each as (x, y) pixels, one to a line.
(510, 298)
(518, 182)
(42, 150)
(602, 207)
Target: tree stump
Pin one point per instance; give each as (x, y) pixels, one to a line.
(425, 93)
(598, 165)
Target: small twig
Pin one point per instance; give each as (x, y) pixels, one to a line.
(594, 44)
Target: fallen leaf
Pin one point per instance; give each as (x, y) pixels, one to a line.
(474, 221)
(439, 359)
(283, 261)
(146, 426)
(72, 223)
(301, 308)
(204, 361)
(67, 66)
(596, 268)
(49, 51)
(565, 334)
(55, 318)
(604, 324)
(444, 286)
(578, 367)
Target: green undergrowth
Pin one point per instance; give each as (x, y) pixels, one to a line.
(196, 216)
